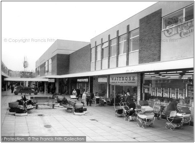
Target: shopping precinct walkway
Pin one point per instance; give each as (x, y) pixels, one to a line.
(99, 124)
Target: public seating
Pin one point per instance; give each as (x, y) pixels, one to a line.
(44, 100)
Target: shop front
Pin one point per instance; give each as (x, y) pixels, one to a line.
(123, 84)
(176, 84)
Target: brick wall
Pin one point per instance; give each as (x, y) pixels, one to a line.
(62, 64)
(150, 37)
(80, 60)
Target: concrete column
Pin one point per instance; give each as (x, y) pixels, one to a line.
(108, 51)
(139, 87)
(45, 88)
(69, 86)
(108, 86)
(128, 35)
(57, 85)
(117, 48)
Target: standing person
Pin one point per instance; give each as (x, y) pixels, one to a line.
(88, 98)
(84, 96)
(12, 88)
(78, 93)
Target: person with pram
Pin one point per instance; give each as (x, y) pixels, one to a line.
(129, 109)
(131, 112)
(173, 120)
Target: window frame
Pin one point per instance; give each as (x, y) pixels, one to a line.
(93, 49)
(107, 46)
(111, 47)
(130, 43)
(177, 11)
(99, 53)
(123, 41)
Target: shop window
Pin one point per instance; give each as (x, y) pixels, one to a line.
(105, 50)
(98, 52)
(178, 17)
(123, 44)
(93, 55)
(113, 47)
(134, 40)
(189, 13)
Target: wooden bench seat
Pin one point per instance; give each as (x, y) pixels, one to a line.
(44, 100)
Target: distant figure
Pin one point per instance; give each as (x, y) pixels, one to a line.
(74, 92)
(84, 96)
(88, 99)
(12, 88)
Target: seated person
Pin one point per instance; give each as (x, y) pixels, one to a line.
(171, 107)
(131, 106)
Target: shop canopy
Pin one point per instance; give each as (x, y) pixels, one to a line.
(3, 74)
(26, 79)
(148, 67)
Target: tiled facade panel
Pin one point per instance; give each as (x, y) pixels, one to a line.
(113, 62)
(80, 60)
(105, 63)
(98, 65)
(62, 64)
(150, 37)
(42, 69)
(122, 60)
(54, 65)
(92, 66)
(134, 58)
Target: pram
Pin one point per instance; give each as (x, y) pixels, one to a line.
(145, 117)
(119, 110)
(157, 110)
(174, 121)
(129, 113)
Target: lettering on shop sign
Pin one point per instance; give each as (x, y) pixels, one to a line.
(183, 30)
(123, 79)
(82, 80)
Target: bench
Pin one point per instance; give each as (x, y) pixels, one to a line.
(44, 100)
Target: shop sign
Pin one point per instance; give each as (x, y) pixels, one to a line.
(124, 79)
(82, 80)
(182, 30)
(102, 80)
(51, 80)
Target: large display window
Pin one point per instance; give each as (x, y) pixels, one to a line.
(170, 84)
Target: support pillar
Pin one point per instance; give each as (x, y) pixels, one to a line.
(139, 87)
(69, 86)
(108, 86)
(57, 85)
(45, 88)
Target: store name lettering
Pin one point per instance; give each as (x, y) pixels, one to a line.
(130, 78)
(183, 30)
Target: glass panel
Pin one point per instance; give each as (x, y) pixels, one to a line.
(173, 19)
(113, 47)
(134, 32)
(134, 44)
(99, 52)
(105, 52)
(105, 45)
(189, 13)
(93, 54)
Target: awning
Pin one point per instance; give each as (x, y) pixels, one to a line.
(26, 79)
(148, 67)
(3, 74)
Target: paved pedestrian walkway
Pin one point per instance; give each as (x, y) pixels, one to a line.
(99, 124)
